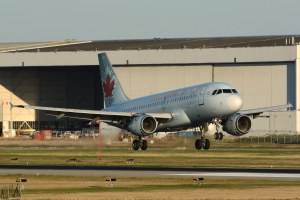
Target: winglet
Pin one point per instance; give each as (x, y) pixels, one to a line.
(17, 106)
(11, 106)
(289, 106)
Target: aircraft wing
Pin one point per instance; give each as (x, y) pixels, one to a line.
(256, 112)
(102, 114)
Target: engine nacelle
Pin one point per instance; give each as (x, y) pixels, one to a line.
(143, 125)
(237, 125)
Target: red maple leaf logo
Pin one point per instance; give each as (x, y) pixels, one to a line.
(108, 86)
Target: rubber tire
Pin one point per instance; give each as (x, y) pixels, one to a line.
(206, 144)
(136, 145)
(221, 136)
(144, 145)
(198, 144)
(216, 136)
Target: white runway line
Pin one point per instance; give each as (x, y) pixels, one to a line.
(240, 175)
(149, 173)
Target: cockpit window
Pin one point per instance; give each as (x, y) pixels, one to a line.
(226, 91)
(234, 91)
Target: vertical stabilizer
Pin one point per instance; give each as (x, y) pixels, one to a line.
(111, 87)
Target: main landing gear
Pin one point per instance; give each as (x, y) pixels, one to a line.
(202, 142)
(140, 143)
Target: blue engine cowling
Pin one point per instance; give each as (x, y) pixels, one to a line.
(237, 125)
(142, 125)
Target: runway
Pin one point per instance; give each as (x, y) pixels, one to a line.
(95, 171)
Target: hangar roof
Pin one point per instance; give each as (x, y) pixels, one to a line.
(155, 43)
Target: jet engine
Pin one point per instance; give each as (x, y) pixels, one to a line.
(142, 125)
(237, 125)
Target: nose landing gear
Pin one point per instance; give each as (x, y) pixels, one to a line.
(218, 136)
(140, 143)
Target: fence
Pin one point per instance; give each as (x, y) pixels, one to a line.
(271, 138)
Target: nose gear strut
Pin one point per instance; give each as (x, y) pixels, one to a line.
(218, 135)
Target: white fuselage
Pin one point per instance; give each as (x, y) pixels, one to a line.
(190, 106)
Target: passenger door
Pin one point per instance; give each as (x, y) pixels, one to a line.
(201, 95)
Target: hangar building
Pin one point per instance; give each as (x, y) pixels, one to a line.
(264, 70)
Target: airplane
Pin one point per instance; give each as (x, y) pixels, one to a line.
(196, 106)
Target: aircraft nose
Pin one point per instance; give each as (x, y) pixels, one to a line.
(234, 103)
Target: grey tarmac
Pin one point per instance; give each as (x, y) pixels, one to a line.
(288, 174)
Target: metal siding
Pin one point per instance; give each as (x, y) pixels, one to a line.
(262, 86)
(19, 88)
(140, 81)
(217, 55)
(297, 104)
(279, 85)
(259, 85)
(282, 122)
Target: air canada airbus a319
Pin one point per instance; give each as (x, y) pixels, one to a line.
(190, 107)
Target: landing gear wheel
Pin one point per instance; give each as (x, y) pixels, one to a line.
(206, 144)
(216, 136)
(144, 145)
(198, 144)
(221, 136)
(136, 145)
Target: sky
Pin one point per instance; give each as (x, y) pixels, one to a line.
(58, 20)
